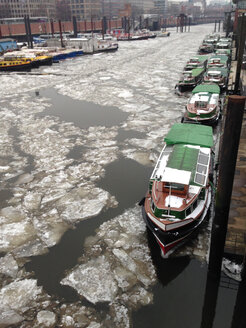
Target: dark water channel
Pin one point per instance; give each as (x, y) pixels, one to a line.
(50, 268)
(83, 113)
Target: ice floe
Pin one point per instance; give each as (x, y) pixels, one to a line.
(46, 319)
(116, 267)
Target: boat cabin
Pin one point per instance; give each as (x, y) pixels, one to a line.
(196, 62)
(218, 61)
(218, 75)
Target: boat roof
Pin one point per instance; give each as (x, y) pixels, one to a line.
(205, 97)
(222, 70)
(191, 134)
(211, 88)
(196, 71)
(200, 58)
(183, 164)
(223, 51)
(223, 58)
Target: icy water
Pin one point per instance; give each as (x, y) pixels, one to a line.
(78, 144)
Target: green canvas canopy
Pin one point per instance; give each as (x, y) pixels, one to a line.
(211, 88)
(196, 71)
(201, 58)
(183, 158)
(226, 52)
(193, 134)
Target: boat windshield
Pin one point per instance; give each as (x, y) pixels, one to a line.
(201, 104)
(214, 75)
(174, 186)
(194, 60)
(215, 61)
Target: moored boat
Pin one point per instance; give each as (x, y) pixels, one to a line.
(16, 56)
(218, 75)
(199, 61)
(15, 65)
(226, 52)
(206, 48)
(203, 106)
(179, 192)
(218, 60)
(190, 79)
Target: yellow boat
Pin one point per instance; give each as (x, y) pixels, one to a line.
(23, 58)
(15, 65)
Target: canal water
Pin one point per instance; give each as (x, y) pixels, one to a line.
(78, 143)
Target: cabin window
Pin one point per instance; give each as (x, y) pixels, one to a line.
(174, 186)
(188, 211)
(195, 204)
(201, 104)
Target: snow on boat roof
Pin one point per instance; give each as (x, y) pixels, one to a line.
(176, 176)
(222, 70)
(200, 58)
(211, 88)
(193, 134)
(222, 58)
(211, 99)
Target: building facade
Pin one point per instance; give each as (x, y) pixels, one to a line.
(81, 9)
(33, 8)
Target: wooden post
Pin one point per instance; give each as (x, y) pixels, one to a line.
(128, 27)
(0, 32)
(215, 25)
(240, 54)
(228, 24)
(60, 29)
(189, 23)
(75, 30)
(29, 31)
(104, 25)
(91, 26)
(52, 27)
(177, 24)
(219, 27)
(227, 164)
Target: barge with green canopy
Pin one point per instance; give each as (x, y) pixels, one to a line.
(190, 79)
(218, 61)
(203, 106)
(198, 61)
(179, 193)
(218, 75)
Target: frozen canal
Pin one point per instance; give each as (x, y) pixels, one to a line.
(78, 143)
